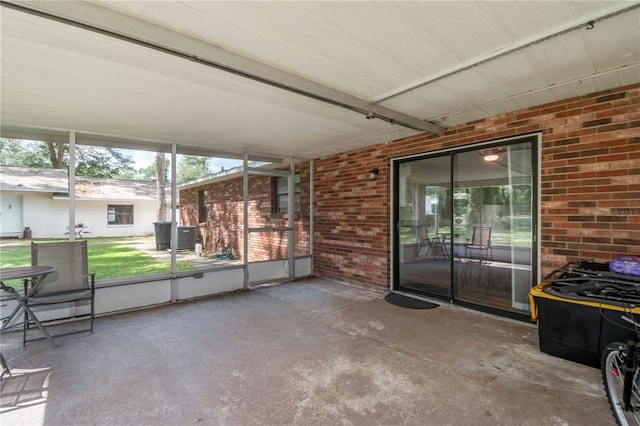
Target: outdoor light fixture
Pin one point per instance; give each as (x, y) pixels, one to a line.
(373, 173)
(491, 155)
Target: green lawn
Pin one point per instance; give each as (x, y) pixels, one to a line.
(520, 238)
(108, 259)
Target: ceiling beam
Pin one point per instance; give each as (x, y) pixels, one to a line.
(102, 20)
(11, 131)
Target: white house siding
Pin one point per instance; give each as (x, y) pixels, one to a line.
(10, 215)
(48, 217)
(94, 215)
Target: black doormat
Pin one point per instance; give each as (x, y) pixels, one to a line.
(408, 302)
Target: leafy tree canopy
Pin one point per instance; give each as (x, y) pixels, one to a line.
(90, 160)
(14, 152)
(101, 162)
(191, 167)
(149, 172)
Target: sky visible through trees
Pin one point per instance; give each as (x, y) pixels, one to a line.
(107, 162)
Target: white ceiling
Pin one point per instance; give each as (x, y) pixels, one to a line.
(439, 62)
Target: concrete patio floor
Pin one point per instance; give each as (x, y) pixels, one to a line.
(308, 352)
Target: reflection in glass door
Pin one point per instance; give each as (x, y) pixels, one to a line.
(465, 225)
(493, 226)
(424, 225)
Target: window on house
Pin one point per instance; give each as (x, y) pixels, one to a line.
(120, 214)
(281, 194)
(202, 206)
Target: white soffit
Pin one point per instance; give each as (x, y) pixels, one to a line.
(62, 77)
(447, 62)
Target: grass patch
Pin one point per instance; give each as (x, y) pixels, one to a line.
(108, 259)
(10, 257)
(520, 238)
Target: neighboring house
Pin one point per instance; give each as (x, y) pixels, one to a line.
(215, 207)
(38, 199)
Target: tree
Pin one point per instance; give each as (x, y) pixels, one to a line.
(101, 162)
(14, 152)
(192, 167)
(90, 160)
(56, 155)
(161, 184)
(150, 172)
(147, 173)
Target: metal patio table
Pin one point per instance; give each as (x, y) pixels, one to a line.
(35, 274)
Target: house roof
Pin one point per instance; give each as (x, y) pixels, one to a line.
(54, 181)
(297, 78)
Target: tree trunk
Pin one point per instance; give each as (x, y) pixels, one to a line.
(161, 183)
(56, 154)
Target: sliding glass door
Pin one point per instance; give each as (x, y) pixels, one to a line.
(493, 226)
(424, 225)
(465, 225)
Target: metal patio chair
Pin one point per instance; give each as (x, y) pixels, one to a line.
(478, 250)
(480, 246)
(431, 243)
(70, 285)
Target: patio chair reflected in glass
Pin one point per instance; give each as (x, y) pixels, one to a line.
(71, 284)
(430, 243)
(478, 250)
(480, 246)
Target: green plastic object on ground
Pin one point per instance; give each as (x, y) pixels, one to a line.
(224, 255)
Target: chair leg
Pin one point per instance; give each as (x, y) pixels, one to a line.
(433, 244)
(25, 326)
(92, 315)
(423, 245)
(29, 314)
(445, 250)
(470, 265)
(92, 283)
(483, 264)
(5, 366)
(465, 273)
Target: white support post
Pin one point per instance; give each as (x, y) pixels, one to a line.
(291, 209)
(72, 185)
(245, 232)
(172, 237)
(311, 215)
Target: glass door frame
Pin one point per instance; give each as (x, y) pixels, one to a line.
(535, 139)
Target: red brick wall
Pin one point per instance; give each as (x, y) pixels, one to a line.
(590, 188)
(224, 225)
(224, 215)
